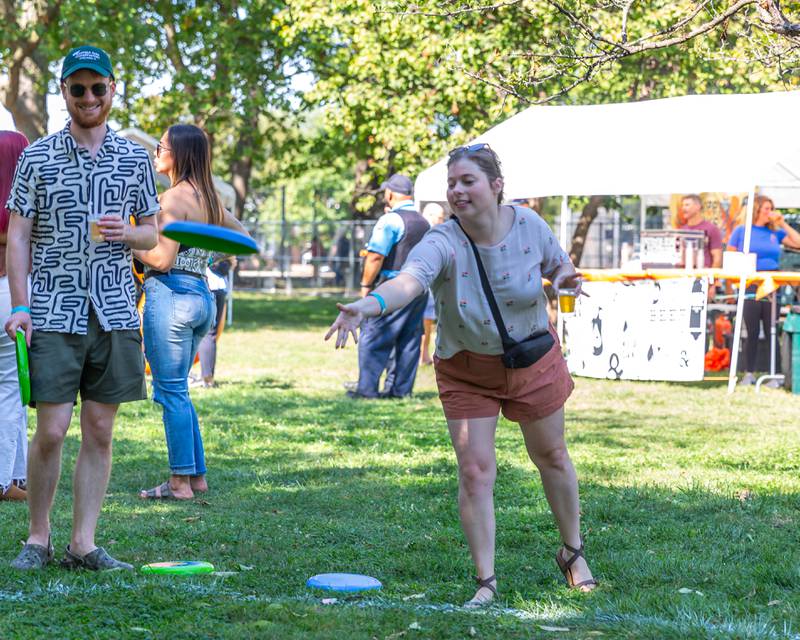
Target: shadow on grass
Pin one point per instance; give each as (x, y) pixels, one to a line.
(287, 516)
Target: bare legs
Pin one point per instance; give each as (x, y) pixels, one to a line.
(473, 441)
(92, 470)
(544, 440)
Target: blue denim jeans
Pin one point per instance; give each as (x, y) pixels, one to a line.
(178, 312)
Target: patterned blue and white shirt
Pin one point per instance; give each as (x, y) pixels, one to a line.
(58, 185)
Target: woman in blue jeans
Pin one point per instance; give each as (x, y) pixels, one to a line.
(179, 308)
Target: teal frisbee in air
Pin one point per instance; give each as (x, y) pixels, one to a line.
(211, 237)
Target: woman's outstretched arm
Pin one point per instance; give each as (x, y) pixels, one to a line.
(395, 294)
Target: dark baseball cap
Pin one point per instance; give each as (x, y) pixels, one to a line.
(87, 57)
(399, 184)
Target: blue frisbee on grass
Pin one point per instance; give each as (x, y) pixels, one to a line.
(178, 568)
(23, 373)
(345, 582)
(211, 237)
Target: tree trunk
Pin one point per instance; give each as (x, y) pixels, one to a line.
(241, 169)
(23, 89)
(366, 186)
(28, 104)
(588, 215)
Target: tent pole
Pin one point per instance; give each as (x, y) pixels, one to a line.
(563, 240)
(737, 326)
(563, 227)
(642, 216)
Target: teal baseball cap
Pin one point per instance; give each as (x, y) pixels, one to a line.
(87, 57)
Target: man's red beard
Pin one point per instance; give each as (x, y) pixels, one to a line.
(86, 121)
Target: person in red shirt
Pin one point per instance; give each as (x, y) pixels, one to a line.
(14, 417)
(692, 210)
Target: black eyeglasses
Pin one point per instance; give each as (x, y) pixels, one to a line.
(99, 89)
(480, 146)
(160, 147)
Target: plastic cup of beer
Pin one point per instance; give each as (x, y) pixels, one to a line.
(566, 300)
(95, 234)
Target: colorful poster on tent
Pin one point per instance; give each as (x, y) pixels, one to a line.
(639, 330)
(724, 210)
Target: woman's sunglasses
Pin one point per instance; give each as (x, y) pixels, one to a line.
(99, 89)
(480, 146)
(160, 147)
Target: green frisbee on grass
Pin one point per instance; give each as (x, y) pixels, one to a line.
(23, 373)
(178, 568)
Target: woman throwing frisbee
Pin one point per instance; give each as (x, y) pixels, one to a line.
(516, 249)
(179, 307)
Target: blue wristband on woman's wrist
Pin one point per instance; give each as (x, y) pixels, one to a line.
(21, 307)
(380, 300)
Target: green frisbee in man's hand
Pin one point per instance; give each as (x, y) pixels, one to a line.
(23, 372)
(178, 568)
(211, 237)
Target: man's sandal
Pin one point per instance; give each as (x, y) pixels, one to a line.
(566, 568)
(487, 584)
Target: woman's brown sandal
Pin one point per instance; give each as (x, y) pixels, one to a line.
(566, 568)
(487, 584)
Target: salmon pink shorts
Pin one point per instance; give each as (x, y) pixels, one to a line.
(475, 385)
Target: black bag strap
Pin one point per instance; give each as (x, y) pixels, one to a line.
(506, 339)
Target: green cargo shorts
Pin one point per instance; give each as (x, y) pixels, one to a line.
(105, 366)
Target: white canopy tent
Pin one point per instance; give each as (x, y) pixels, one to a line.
(731, 143)
(675, 145)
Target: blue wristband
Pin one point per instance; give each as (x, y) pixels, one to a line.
(21, 307)
(380, 300)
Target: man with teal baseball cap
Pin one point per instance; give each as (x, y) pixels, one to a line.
(87, 57)
(78, 314)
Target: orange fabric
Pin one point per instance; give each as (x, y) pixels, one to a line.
(474, 385)
(722, 328)
(717, 359)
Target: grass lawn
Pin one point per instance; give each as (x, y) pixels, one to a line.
(690, 499)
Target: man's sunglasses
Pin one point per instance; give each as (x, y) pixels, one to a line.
(99, 89)
(473, 148)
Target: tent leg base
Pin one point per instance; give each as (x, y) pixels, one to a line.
(762, 379)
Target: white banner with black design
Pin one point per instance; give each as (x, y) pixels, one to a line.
(639, 330)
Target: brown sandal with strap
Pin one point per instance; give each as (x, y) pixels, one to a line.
(487, 584)
(566, 568)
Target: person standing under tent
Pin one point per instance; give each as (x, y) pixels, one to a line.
(80, 319)
(395, 234)
(14, 417)
(769, 232)
(518, 249)
(693, 220)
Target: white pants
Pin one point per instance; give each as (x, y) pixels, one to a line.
(13, 416)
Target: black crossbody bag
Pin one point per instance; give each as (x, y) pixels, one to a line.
(516, 355)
